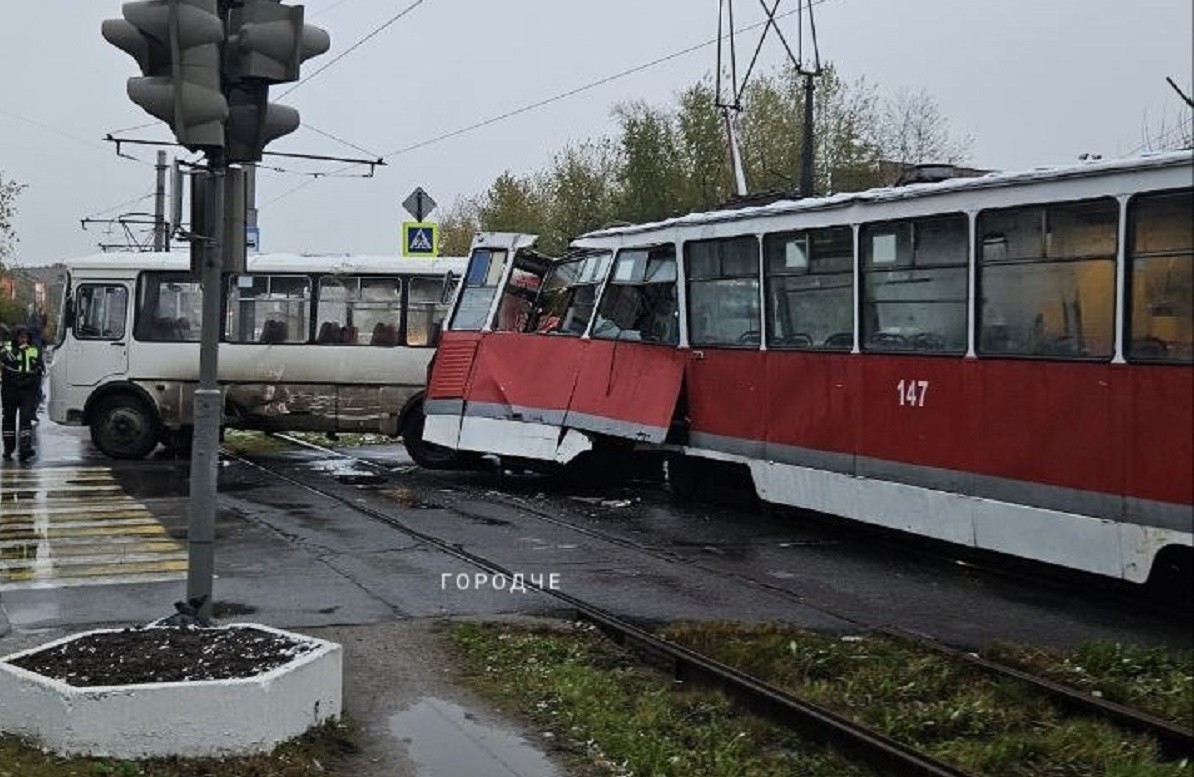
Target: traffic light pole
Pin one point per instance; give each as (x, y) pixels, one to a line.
(205, 454)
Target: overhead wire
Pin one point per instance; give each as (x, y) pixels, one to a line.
(376, 31)
(541, 103)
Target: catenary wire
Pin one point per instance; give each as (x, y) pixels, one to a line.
(537, 104)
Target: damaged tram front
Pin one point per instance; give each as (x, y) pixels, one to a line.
(601, 373)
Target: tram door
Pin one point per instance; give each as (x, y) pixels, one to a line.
(96, 347)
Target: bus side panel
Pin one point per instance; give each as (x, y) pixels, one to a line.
(524, 377)
(627, 389)
(726, 400)
(1160, 434)
(1051, 423)
(809, 408)
(913, 410)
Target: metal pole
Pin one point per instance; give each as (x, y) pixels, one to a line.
(806, 157)
(205, 453)
(159, 206)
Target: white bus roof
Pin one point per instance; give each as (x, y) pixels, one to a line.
(125, 261)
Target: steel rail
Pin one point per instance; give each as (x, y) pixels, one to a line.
(815, 722)
(1175, 741)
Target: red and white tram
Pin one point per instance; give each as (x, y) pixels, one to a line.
(1005, 362)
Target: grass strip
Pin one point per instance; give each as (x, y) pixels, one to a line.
(958, 713)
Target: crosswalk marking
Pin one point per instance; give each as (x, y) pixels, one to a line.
(72, 526)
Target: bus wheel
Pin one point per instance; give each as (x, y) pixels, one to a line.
(425, 454)
(122, 427)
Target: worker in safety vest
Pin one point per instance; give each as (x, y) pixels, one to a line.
(22, 369)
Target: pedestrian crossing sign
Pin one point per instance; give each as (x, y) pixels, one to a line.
(420, 238)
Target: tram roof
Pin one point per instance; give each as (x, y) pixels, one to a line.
(1176, 159)
(275, 262)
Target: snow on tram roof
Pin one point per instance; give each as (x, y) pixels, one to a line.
(893, 193)
(277, 263)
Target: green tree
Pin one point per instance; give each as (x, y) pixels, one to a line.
(514, 204)
(457, 226)
(582, 192)
(665, 161)
(704, 151)
(651, 178)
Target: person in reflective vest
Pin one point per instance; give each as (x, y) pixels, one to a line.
(21, 370)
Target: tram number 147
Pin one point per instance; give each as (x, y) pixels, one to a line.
(912, 392)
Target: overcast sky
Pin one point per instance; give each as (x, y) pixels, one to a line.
(1035, 82)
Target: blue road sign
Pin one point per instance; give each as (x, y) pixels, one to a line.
(420, 238)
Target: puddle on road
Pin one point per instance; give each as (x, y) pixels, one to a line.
(445, 740)
(347, 471)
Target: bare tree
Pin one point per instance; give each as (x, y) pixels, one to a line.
(912, 131)
(8, 211)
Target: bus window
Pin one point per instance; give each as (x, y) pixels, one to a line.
(354, 310)
(810, 289)
(723, 291)
(268, 308)
(1161, 274)
(100, 312)
(914, 276)
(565, 305)
(1047, 278)
(169, 308)
(425, 310)
(639, 302)
(481, 280)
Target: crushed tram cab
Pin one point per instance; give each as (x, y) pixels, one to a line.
(1003, 362)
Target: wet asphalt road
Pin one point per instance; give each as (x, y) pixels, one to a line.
(291, 557)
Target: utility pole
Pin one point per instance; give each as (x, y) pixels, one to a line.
(161, 230)
(809, 144)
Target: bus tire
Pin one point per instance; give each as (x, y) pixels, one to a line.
(425, 454)
(123, 427)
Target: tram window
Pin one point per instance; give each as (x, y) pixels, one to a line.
(723, 291)
(478, 289)
(100, 312)
(810, 289)
(268, 308)
(169, 308)
(639, 302)
(1161, 277)
(914, 276)
(1047, 278)
(565, 303)
(425, 311)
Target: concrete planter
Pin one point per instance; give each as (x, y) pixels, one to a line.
(209, 718)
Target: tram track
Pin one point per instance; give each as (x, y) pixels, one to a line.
(888, 756)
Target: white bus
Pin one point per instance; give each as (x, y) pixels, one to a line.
(308, 343)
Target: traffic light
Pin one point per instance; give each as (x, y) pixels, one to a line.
(253, 121)
(267, 41)
(176, 43)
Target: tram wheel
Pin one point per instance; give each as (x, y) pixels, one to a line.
(122, 427)
(425, 454)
